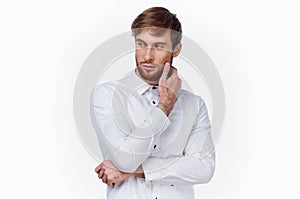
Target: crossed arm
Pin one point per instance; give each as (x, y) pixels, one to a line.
(129, 155)
(195, 166)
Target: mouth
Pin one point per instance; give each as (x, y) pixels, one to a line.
(151, 66)
(148, 67)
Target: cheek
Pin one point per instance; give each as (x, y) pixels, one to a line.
(139, 54)
(164, 57)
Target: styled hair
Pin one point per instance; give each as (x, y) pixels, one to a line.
(158, 20)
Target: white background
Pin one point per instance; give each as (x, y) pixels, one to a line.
(254, 45)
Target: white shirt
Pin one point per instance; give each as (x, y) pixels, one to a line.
(175, 152)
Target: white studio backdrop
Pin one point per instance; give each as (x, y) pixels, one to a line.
(253, 44)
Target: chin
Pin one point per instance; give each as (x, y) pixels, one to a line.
(150, 77)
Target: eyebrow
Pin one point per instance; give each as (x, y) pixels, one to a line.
(139, 40)
(160, 42)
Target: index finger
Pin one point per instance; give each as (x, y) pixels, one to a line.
(164, 75)
(166, 70)
(97, 169)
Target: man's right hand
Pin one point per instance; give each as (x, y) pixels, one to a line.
(111, 175)
(168, 89)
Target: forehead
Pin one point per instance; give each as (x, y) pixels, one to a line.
(149, 37)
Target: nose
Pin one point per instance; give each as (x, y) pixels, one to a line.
(149, 54)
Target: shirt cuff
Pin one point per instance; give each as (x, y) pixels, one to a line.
(156, 168)
(160, 121)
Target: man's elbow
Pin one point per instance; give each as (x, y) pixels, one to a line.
(127, 162)
(209, 175)
(128, 165)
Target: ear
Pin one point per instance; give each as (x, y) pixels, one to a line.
(177, 50)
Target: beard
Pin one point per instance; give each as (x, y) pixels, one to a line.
(151, 76)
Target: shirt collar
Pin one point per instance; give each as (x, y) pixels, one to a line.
(139, 84)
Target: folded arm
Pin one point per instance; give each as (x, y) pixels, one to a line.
(197, 163)
(195, 166)
(122, 142)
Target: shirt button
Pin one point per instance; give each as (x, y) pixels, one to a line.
(154, 146)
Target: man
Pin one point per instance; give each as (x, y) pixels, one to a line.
(154, 136)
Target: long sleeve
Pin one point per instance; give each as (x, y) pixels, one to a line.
(122, 141)
(197, 163)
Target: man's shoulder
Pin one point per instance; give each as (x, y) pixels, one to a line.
(119, 84)
(106, 86)
(188, 94)
(189, 98)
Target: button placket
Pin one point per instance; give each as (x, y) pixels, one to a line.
(154, 93)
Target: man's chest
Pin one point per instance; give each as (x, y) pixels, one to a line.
(172, 141)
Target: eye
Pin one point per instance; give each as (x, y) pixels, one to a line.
(140, 44)
(159, 46)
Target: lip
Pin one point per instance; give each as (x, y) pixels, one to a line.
(148, 67)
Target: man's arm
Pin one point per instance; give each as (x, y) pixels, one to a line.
(168, 89)
(197, 163)
(125, 145)
(196, 166)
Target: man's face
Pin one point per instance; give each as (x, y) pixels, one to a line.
(151, 53)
